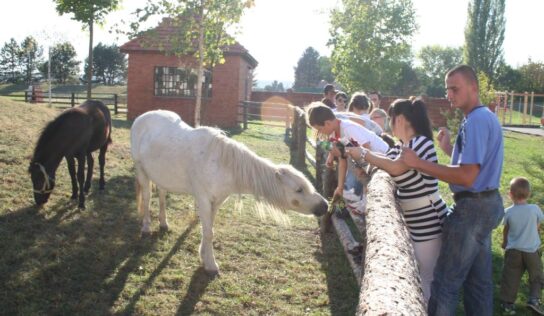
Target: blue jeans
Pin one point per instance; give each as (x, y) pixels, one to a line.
(465, 257)
(351, 181)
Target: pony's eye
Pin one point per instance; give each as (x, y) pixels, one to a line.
(299, 190)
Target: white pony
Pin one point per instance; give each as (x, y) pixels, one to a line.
(210, 166)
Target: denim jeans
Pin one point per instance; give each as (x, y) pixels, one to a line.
(465, 257)
(351, 182)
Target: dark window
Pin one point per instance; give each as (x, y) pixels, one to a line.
(181, 82)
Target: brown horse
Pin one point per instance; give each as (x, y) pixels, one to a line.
(74, 134)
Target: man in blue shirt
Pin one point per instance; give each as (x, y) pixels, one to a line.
(474, 176)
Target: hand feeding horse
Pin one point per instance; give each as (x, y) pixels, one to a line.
(205, 163)
(74, 134)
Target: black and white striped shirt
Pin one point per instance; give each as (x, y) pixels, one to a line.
(424, 223)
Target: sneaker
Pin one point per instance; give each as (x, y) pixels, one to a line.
(534, 304)
(508, 309)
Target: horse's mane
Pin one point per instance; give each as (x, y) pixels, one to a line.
(48, 133)
(250, 170)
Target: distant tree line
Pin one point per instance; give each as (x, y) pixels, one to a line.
(25, 62)
(371, 50)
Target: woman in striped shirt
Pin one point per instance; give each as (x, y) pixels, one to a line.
(423, 207)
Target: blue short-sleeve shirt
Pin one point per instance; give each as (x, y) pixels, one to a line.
(480, 141)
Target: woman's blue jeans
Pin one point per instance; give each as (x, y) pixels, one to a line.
(465, 257)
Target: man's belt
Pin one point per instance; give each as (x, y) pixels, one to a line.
(467, 194)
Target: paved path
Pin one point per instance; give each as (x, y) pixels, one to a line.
(524, 130)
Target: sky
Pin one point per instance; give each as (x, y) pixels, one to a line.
(276, 32)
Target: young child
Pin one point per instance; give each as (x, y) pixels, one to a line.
(521, 242)
(323, 119)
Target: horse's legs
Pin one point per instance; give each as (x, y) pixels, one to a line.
(143, 197)
(90, 165)
(206, 212)
(80, 179)
(162, 207)
(72, 171)
(102, 163)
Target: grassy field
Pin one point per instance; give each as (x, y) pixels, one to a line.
(60, 260)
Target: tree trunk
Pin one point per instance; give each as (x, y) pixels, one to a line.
(198, 104)
(90, 65)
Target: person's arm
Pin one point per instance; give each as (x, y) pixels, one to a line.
(342, 170)
(505, 236)
(463, 175)
(393, 167)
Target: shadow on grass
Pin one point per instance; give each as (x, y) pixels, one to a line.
(64, 261)
(121, 123)
(342, 287)
(197, 287)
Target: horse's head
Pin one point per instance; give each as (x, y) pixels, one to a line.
(42, 182)
(299, 193)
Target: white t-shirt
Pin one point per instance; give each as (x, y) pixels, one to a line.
(351, 130)
(369, 124)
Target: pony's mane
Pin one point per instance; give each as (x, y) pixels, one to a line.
(48, 133)
(251, 171)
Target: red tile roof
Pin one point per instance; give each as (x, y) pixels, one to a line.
(160, 39)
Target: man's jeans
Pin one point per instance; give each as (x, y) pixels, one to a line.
(465, 257)
(351, 182)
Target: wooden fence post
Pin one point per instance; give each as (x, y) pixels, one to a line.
(73, 99)
(511, 107)
(525, 97)
(115, 110)
(301, 140)
(294, 131)
(531, 109)
(244, 106)
(26, 96)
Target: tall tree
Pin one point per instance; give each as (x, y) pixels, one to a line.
(10, 59)
(307, 71)
(202, 32)
(88, 12)
(371, 42)
(109, 63)
(484, 35)
(532, 75)
(325, 69)
(31, 54)
(64, 65)
(435, 61)
(275, 86)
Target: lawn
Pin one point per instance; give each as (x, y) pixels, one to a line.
(61, 260)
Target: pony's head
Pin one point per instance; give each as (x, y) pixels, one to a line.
(298, 192)
(42, 182)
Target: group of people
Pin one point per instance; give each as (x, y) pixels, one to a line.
(452, 245)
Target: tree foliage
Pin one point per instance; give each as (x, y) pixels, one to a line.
(31, 54)
(371, 42)
(64, 65)
(484, 35)
(87, 12)
(275, 86)
(307, 71)
(532, 77)
(435, 61)
(10, 60)
(202, 32)
(487, 91)
(325, 69)
(110, 65)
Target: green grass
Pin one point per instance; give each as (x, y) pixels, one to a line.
(61, 260)
(523, 156)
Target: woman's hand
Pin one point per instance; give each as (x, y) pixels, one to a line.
(330, 161)
(354, 152)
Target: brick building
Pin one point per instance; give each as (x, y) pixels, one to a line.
(160, 81)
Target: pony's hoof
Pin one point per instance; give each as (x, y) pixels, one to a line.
(163, 229)
(73, 197)
(81, 207)
(212, 274)
(145, 233)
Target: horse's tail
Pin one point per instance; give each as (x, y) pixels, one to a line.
(142, 183)
(139, 198)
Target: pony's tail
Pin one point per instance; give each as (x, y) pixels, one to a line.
(141, 184)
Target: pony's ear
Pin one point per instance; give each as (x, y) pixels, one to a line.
(280, 173)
